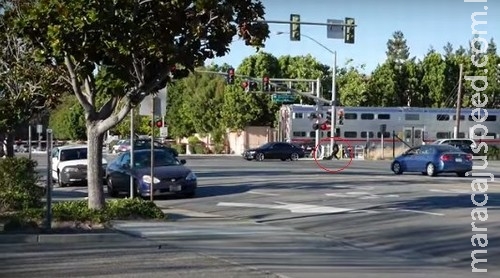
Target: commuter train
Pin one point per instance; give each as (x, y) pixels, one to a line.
(364, 125)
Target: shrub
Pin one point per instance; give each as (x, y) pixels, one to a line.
(19, 188)
(180, 148)
(121, 209)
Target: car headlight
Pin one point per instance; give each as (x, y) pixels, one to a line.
(251, 152)
(71, 170)
(148, 179)
(191, 177)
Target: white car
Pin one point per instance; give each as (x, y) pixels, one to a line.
(69, 164)
(456, 142)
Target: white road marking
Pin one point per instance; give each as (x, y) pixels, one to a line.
(293, 208)
(360, 196)
(262, 193)
(358, 193)
(417, 211)
(460, 191)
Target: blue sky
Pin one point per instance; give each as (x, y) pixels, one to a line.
(423, 22)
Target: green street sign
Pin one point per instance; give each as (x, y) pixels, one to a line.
(283, 98)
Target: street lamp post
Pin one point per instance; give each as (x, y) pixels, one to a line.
(334, 91)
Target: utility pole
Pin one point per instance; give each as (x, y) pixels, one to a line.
(132, 142)
(334, 99)
(459, 103)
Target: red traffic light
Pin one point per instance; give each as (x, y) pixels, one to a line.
(324, 127)
(230, 71)
(244, 84)
(159, 123)
(265, 79)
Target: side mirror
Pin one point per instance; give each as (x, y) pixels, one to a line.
(183, 161)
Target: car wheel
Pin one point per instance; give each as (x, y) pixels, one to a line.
(294, 157)
(430, 170)
(111, 191)
(461, 174)
(396, 168)
(59, 182)
(259, 157)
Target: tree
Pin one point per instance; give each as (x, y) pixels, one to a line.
(133, 45)
(352, 86)
(26, 88)
(68, 120)
(433, 80)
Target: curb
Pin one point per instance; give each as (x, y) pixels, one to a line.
(63, 238)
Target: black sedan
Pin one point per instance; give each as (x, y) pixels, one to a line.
(145, 144)
(275, 150)
(170, 175)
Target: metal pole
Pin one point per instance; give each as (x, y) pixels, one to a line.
(459, 103)
(49, 180)
(39, 140)
(317, 139)
(382, 144)
(151, 188)
(132, 143)
(29, 141)
(334, 98)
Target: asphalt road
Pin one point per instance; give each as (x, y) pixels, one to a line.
(409, 222)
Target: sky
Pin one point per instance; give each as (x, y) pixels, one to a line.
(424, 23)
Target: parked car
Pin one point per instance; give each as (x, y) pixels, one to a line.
(69, 164)
(275, 150)
(433, 159)
(170, 175)
(144, 144)
(456, 142)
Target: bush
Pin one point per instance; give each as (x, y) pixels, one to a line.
(18, 185)
(121, 209)
(180, 148)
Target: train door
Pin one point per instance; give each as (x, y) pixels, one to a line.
(413, 136)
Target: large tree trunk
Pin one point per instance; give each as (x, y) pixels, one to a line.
(95, 172)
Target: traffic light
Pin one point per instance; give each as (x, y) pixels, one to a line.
(295, 27)
(230, 76)
(246, 86)
(266, 86)
(158, 123)
(349, 30)
(178, 73)
(253, 86)
(323, 126)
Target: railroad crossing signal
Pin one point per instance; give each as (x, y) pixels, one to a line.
(230, 76)
(295, 27)
(349, 30)
(266, 87)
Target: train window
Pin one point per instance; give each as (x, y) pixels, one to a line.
(443, 117)
(329, 134)
(367, 116)
(350, 134)
(350, 116)
(364, 134)
(412, 117)
(386, 134)
(479, 116)
(312, 134)
(462, 117)
(384, 116)
(492, 135)
(443, 135)
(298, 115)
(299, 134)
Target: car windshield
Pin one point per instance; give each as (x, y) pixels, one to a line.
(143, 159)
(266, 145)
(73, 154)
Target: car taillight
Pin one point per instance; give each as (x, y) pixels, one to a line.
(446, 157)
(468, 157)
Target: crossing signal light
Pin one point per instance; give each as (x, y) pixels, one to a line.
(266, 86)
(158, 123)
(295, 27)
(349, 30)
(230, 76)
(316, 126)
(323, 126)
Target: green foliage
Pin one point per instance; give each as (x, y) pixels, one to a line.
(18, 184)
(121, 209)
(68, 120)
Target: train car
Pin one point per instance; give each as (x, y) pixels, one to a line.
(362, 125)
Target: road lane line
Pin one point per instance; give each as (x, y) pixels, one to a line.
(262, 193)
(417, 211)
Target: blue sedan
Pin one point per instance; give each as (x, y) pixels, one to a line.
(171, 177)
(433, 159)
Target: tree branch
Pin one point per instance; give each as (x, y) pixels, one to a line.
(113, 120)
(75, 84)
(108, 108)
